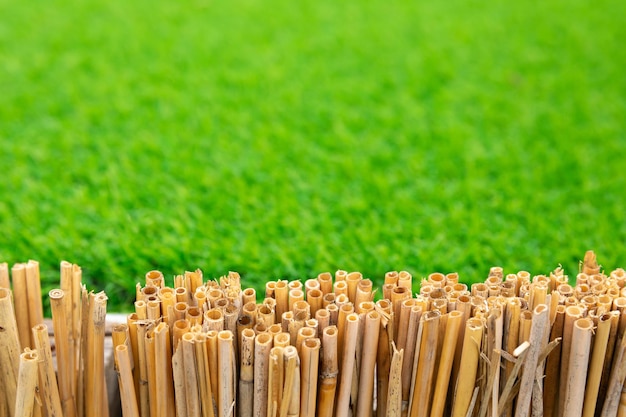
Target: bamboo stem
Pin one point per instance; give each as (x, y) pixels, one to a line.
(226, 374)
(368, 363)
(65, 368)
(262, 347)
(348, 359)
(445, 363)
(126, 381)
(9, 350)
(595, 366)
(577, 373)
(95, 397)
(48, 389)
(26, 384)
(246, 374)
(166, 405)
(393, 408)
(424, 371)
(467, 372)
(190, 367)
(309, 376)
(204, 377)
(22, 310)
(329, 372)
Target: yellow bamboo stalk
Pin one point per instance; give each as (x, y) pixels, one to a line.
(290, 398)
(328, 373)
(22, 311)
(393, 406)
(309, 376)
(409, 351)
(190, 367)
(445, 363)
(26, 384)
(577, 373)
(4, 276)
(246, 374)
(551, 382)
(467, 373)
(48, 389)
(595, 365)
(616, 382)
(368, 363)
(262, 347)
(33, 287)
(281, 294)
(425, 366)
(95, 391)
(572, 313)
(347, 366)
(9, 350)
(226, 373)
(383, 361)
(275, 381)
(126, 382)
(166, 405)
(142, 365)
(65, 368)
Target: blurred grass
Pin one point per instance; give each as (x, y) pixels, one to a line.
(283, 139)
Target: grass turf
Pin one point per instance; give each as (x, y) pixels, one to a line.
(282, 139)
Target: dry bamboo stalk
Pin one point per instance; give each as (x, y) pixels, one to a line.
(262, 347)
(572, 313)
(595, 366)
(9, 350)
(204, 377)
(95, 392)
(128, 396)
(4, 276)
(577, 373)
(281, 294)
(464, 306)
(275, 381)
(393, 406)
(291, 381)
(616, 382)
(309, 375)
(551, 382)
(164, 378)
(328, 373)
(509, 391)
(33, 287)
(142, 364)
(178, 377)
(190, 367)
(226, 374)
(537, 344)
(48, 388)
(65, 367)
(611, 349)
(22, 310)
(409, 352)
(347, 366)
(152, 369)
(383, 359)
(81, 353)
(26, 384)
(368, 363)
(246, 374)
(445, 363)
(467, 374)
(212, 353)
(425, 369)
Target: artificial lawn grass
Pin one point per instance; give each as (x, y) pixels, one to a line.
(283, 139)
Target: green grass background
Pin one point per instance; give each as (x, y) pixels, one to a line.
(282, 139)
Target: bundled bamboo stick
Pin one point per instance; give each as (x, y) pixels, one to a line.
(48, 389)
(128, 396)
(445, 363)
(309, 370)
(95, 390)
(9, 350)
(577, 373)
(596, 364)
(467, 374)
(368, 363)
(26, 384)
(347, 366)
(329, 372)
(65, 367)
(424, 367)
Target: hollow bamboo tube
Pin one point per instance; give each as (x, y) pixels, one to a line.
(323, 319)
(26, 384)
(328, 373)
(190, 367)
(551, 382)
(128, 396)
(9, 350)
(309, 376)
(295, 296)
(596, 364)
(409, 351)
(425, 367)
(572, 313)
(281, 294)
(467, 373)
(164, 377)
(537, 344)
(616, 382)
(212, 354)
(262, 347)
(204, 378)
(4, 276)
(275, 381)
(314, 298)
(22, 311)
(248, 296)
(326, 282)
(393, 406)
(48, 389)
(95, 392)
(178, 377)
(226, 374)
(246, 374)
(368, 363)
(445, 363)
(33, 286)
(142, 362)
(363, 292)
(577, 373)
(348, 360)
(65, 368)
(352, 279)
(152, 369)
(290, 398)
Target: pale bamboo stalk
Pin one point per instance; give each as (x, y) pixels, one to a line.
(398, 295)
(347, 366)
(164, 377)
(4, 276)
(65, 367)
(368, 363)
(9, 350)
(323, 319)
(616, 382)
(212, 352)
(314, 298)
(81, 352)
(275, 381)
(178, 377)
(409, 351)
(525, 323)
(246, 374)
(424, 371)
(48, 389)
(281, 294)
(577, 373)
(95, 397)
(142, 364)
(595, 365)
(226, 374)
(326, 282)
(33, 287)
(463, 305)
(294, 401)
(495, 362)
(363, 292)
(309, 375)
(537, 344)
(204, 377)
(403, 324)
(611, 349)
(152, 371)
(328, 373)
(553, 362)
(572, 313)
(262, 347)
(445, 363)
(383, 363)
(22, 310)
(467, 373)
(192, 396)
(290, 361)
(126, 382)
(26, 384)
(393, 406)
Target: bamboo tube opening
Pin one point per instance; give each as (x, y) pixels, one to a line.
(391, 277)
(270, 287)
(326, 282)
(437, 279)
(340, 287)
(282, 340)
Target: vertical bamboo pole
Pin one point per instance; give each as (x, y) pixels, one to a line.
(95, 392)
(65, 368)
(309, 375)
(467, 373)
(49, 390)
(595, 366)
(190, 367)
(128, 396)
(348, 360)
(445, 363)
(577, 373)
(246, 374)
(9, 350)
(164, 377)
(22, 312)
(328, 373)
(26, 384)
(368, 363)
(226, 374)
(572, 313)
(262, 347)
(424, 371)
(33, 287)
(4, 276)
(393, 407)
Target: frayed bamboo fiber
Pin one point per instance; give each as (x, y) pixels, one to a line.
(537, 344)
(178, 378)
(595, 365)
(309, 377)
(65, 368)
(262, 347)
(9, 350)
(577, 373)
(329, 372)
(26, 384)
(246, 374)
(467, 373)
(347, 366)
(275, 381)
(22, 311)
(95, 390)
(48, 389)
(445, 363)
(126, 382)
(393, 407)
(424, 367)
(368, 363)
